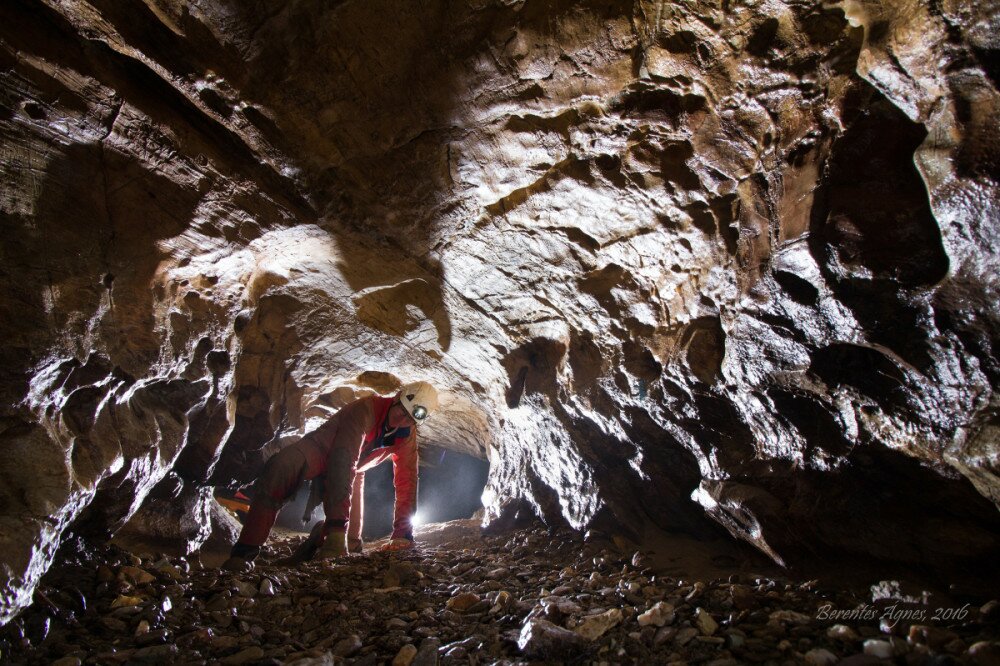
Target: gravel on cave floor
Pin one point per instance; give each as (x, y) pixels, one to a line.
(527, 596)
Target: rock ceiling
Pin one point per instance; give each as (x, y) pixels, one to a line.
(672, 264)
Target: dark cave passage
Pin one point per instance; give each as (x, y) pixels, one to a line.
(451, 486)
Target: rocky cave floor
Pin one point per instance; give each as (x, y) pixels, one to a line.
(527, 596)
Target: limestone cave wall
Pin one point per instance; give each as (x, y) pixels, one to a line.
(702, 265)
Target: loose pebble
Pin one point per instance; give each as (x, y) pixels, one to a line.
(706, 623)
(405, 655)
(878, 648)
(463, 602)
(821, 657)
(660, 614)
(593, 627)
(526, 596)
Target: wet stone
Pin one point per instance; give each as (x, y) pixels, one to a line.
(427, 653)
(684, 636)
(540, 611)
(246, 589)
(325, 659)
(543, 639)
(984, 653)
(463, 602)
(135, 575)
(126, 601)
(790, 617)
(223, 642)
(659, 615)
(705, 622)
(67, 661)
(156, 654)
(250, 654)
(821, 657)
(593, 627)
(154, 637)
(405, 656)
(934, 637)
(990, 611)
(347, 647)
(664, 635)
(841, 632)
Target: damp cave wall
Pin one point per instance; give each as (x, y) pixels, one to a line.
(715, 266)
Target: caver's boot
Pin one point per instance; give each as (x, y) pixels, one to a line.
(334, 545)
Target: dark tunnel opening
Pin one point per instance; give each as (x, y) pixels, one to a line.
(451, 487)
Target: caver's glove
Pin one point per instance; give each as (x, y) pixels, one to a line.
(334, 545)
(355, 545)
(397, 544)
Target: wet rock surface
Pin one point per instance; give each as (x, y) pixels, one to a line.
(714, 266)
(531, 596)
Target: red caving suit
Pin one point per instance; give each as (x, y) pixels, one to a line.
(354, 440)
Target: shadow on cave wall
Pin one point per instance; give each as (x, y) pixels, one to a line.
(875, 512)
(374, 134)
(32, 27)
(91, 246)
(880, 248)
(872, 230)
(670, 472)
(399, 191)
(156, 205)
(871, 219)
(85, 265)
(263, 384)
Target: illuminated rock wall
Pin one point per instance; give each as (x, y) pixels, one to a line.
(683, 265)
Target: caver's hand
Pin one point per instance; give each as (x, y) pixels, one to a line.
(397, 544)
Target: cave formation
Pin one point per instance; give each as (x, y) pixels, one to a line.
(719, 268)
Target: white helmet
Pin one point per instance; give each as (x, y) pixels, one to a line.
(419, 399)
